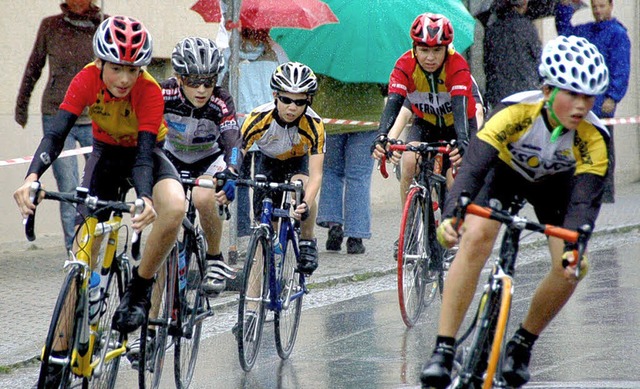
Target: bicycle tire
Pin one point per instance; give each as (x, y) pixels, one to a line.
(152, 351)
(63, 321)
(251, 308)
(411, 288)
(119, 276)
(475, 361)
(191, 314)
(287, 319)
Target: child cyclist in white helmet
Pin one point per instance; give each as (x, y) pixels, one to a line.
(549, 148)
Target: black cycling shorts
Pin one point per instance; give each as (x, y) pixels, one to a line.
(549, 197)
(276, 171)
(108, 172)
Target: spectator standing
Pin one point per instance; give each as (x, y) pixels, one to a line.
(612, 40)
(512, 51)
(65, 40)
(259, 57)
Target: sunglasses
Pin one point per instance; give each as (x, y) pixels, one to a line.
(195, 82)
(286, 101)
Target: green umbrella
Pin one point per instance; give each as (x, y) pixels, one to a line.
(370, 36)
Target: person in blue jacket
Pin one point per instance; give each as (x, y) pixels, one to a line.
(612, 40)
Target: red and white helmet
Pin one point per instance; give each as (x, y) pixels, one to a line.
(432, 30)
(124, 41)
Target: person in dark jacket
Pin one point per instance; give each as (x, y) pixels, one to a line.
(612, 40)
(512, 51)
(65, 41)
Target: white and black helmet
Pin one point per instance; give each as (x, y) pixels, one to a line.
(574, 64)
(197, 56)
(294, 77)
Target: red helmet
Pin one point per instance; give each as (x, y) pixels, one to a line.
(432, 30)
(124, 41)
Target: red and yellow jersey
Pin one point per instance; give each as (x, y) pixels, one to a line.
(117, 121)
(430, 93)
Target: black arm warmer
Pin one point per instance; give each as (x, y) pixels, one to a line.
(390, 112)
(52, 142)
(142, 171)
(233, 155)
(460, 121)
(584, 204)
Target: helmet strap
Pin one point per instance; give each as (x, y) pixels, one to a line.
(555, 134)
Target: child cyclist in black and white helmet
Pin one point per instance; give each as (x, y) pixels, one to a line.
(549, 148)
(290, 139)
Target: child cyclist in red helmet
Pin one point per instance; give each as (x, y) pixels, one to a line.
(126, 108)
(437, 82)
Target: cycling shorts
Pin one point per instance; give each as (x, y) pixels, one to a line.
(108, 172)
(208, 166)
(276, 170)
(549, 197)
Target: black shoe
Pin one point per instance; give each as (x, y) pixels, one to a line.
(334, 240)
(135, 304)
(355, 246)
(308, 256)
(395, 250)
(515, 369)
(54, 373)
(436, 373)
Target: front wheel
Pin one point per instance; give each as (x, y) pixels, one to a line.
(287, 319)
(55, 365)
(251, 309)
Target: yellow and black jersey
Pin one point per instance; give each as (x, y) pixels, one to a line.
(280, 140)
(521, 135)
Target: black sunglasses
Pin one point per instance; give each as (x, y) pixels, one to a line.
(195, 82)
(286, 101)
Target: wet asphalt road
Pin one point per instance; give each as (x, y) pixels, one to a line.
(352, 335)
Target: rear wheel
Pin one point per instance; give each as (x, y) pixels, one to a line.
(412, 250)
(106, 336)
(251, 309)
(287, 319)
(55, 366)
(192, 313)
(153, 346)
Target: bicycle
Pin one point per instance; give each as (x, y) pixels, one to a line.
(80, 345)
(421, 260)
(480, 364)
(184, 304)
(271, 279)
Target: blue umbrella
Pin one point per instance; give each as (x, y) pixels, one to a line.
(370, 36)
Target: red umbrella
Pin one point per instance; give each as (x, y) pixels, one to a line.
(266, 14)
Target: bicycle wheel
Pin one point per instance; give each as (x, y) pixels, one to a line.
(153, 348)
(251, 309)
(412, 248)
(191, 314)
(287, 318)
(55, 365)
(475, 361)
(109, 339)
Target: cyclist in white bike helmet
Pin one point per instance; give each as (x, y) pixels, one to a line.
(290, 139)
(550, 149)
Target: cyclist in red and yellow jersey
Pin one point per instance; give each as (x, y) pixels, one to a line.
(126, 108)
(550, 149)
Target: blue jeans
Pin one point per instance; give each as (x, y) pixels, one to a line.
(65, 171)
(345, 197)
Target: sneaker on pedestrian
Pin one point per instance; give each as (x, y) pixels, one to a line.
(515, 369)
(355, 246)
(308, 262)
(215, 281)
(134, 305)
(436, 373)
(335, 237)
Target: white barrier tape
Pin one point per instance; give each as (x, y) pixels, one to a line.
(84, 150)
(66, 153)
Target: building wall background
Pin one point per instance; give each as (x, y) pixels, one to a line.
(168, 22)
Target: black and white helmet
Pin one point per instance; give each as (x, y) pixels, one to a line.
(294, 77)
(197, 56)
(574, 64)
